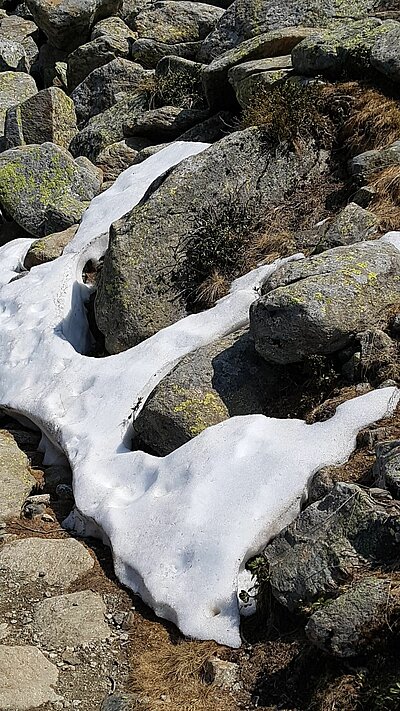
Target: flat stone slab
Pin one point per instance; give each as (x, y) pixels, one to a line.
(16, 481)
(27, 678)
(71, 620)
(56, 562)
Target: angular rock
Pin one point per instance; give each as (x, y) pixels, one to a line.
(16, 480)
(256, 84)
(164, 124)
(49, 248)
(328, 542)
(108, 127)
(245, 19)
(43, 189)
(135, 299)
(210, 130)
(346, 626)
(14, 88)
(67, 23)
(385, 54)
(48, 116)
(12, 56)
(148, 52)
(70, 620)
(387, 466)
(179, 83)
(106, 85)
(224, 379)
(223, 674)
(352, 224)
(378, 357)
(276, 43)
(173, 21)
(57, 562)
(362, 166)
(317, 305)
(116, 158)
(27, 678)
(48, 63)
(339, 50)
(246, 69)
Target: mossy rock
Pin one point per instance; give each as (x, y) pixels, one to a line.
(14, 88)
(175, 22)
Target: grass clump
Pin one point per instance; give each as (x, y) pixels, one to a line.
(386, 203)
(373, 121)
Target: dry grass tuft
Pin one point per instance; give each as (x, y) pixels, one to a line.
(211, 289)
(374, 120)
(164, 670)
(386, 204)
(268, 246)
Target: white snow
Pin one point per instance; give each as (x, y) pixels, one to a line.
(180, 527)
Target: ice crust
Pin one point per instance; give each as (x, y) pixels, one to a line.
(180, 527)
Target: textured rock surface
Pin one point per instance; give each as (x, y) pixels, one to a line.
(148, 52)
(16, 480)
(70, 620)
(176, 21)
(385, 54)
(49, 116)
(344, 627)
(14, 88)
(363, 165)
(12, 56)
(56, 562)
(43, 189)
(117, 157)
(49, 248)
(164, 124)
(317, 305)
(27, 678)
(352, 224)
(387, 466)
(134, 296)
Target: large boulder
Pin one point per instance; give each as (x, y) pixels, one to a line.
(246, 18)
(67, 23)
(106, 85)
(137, 294)
(48, 116)
(49, 248)
(148, 52)
(385, 54)
(164, 124)
(23, 32)
(14, 88)
(174, 21)
(43, 189)
(116, 158)
(350, 225)
(317, 305)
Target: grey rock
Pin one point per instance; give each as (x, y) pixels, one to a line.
(328, 542)
(49, 248)
(387, 466)
(364, 196)
(385, 54)
(48, 63)
(346, 626)
(218, 90)
(132, 302)
(117, 157)
(19, 30)
(12, 56)
(269, 64)
(339, 50)
(48, 116)
(245, 19)
(224, 379)
(175, 21)
(16, 480)
(106, 85)
(148, 52)
(317, 305)
(118, 702)
(108, 127)
(179, 83)
(58, 562)
(256, 85)
(378, 358)
(43, 189)
(149, 151)
(70, 620)
(363, 165)
(223, 674)
(14, 88)
(27, 678)
(165, 123)
(67, 23)
(210, 130)
(352, 224)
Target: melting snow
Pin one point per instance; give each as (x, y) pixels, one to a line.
(181, 527)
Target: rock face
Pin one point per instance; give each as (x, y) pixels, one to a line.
(317, 305)
(70, 620)
(43, 189)
(353, 224)
(14, 88)
(57, 562)
(385, 55)
(173, 21)
(134, 296)
(48, 116)
(224, 379)
(66, 23)
(363, 165)
(245, 19)
(328, 542)
(45, 250)
(16, 480)
(27, 678)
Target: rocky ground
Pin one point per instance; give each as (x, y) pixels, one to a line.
(300, 103)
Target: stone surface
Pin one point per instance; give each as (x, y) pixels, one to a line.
(256, 85)
(352, 224)
(16, 480)
(221, 673)
(346, 626)
(148, 52)
(176, 21)
(58, 562)
(326, 545)
(49, 116)
(105, 85)
(49, 62)
(269, 64)
(317, 305)
(116, 158)
(70, 620)
(12, 56)
(164, 124)
(49, 248)
(132, 301)
(14, 88)
(67, 23)
(27, 678)
(363, 165)
(43, 189)
(387, 466)
(385, 54)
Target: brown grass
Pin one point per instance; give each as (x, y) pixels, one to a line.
(164, 670)
(212, 289)
(386, 203)
(374, 120)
